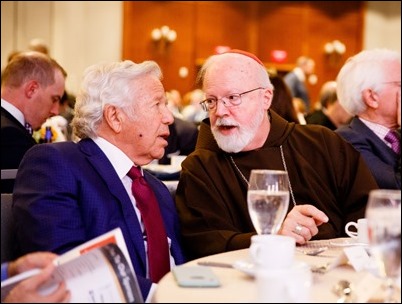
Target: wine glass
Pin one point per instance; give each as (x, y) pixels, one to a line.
(268, 199)
(383, 215)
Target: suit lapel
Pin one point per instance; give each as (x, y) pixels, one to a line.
(102, 165)
(381, 148)
(14, 122)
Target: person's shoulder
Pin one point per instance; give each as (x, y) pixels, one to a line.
(324, 138)
(63, 147)
(344, 129)
(348, 132)
(7, 119)
(315, 117)
(316, 130)
(313, 128)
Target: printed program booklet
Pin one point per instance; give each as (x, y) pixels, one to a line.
(98, 271)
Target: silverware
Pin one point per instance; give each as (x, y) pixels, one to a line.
(313, 252)
(215, 264)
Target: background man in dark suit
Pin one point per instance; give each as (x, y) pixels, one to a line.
(369, 87)
(330, 113)
(67, 193)
(31, 87)
(182, 139)
(296, 79)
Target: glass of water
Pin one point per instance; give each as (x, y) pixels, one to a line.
(268, 199)
(383, 213)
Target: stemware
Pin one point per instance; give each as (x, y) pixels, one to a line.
(383, 215)
(268, 199)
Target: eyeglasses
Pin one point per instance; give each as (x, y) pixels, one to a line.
(230, 100)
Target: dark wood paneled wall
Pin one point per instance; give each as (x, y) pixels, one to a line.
(298, 27)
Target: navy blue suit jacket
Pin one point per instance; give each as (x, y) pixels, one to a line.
(68, 193)
(381, 159)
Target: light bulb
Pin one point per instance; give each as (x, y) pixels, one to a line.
(171, 36)
(156, 34)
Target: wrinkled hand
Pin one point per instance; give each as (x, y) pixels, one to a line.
(302, 223)
(27, 290)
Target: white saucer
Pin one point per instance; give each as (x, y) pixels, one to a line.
(249, 267)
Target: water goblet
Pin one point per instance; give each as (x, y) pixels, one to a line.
(383, 213)
(268, 199)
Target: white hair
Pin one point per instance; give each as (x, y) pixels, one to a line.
(107, 83)
(366, 70)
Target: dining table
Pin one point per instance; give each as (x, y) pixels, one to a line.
(238, 284)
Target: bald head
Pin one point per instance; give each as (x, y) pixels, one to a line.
(234, 66)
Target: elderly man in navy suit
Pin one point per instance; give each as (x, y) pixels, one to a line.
(369, 87)
(68, 193)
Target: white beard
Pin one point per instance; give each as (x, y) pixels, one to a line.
(244, 135)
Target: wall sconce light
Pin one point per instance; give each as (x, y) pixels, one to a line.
(163, 37)
(334, 51)
(334, 47)
(163, 34)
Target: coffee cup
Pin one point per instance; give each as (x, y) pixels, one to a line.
(358, 230)
(272, 251)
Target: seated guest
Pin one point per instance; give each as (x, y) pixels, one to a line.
(330, 114)
(282, 100)
(32, 85)
(181, 141)
(369, 87)
(67, 193)
(27, 291)
(296, 80)
(329, 180)
(193, 111)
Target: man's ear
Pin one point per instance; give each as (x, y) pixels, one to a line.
(30, 88)
(113, 117)
(370, 98)
(267, 98)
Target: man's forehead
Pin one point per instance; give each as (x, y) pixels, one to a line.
(245, 53)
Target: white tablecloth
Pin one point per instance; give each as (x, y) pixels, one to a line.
(237, 286)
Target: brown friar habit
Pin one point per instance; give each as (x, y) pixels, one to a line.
(324, 171)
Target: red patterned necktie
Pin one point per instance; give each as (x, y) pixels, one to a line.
(394, 139)
(158, 248)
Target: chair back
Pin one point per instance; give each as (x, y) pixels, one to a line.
(8, 233)
(8, 173)
(7, 180)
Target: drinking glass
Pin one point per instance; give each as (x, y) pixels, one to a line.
(268, 199)
(383, 215)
